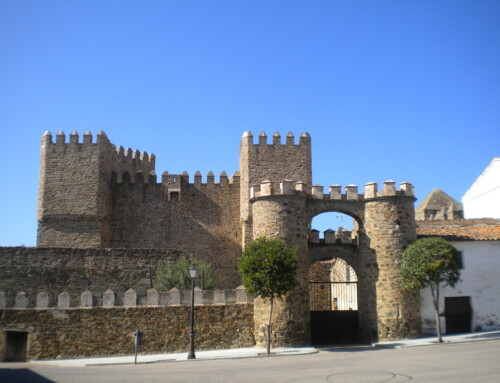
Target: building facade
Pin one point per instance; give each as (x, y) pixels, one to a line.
(474, 303)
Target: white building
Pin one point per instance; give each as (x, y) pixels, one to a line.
(474, 303)
(483, 197)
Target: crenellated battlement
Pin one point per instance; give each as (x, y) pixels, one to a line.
(288, 187)
(175, 180)
(129, 154)
(129, 298)
(87, 141)
(304, 139)
(74, 138)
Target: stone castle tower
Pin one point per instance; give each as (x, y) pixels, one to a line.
(92, 194)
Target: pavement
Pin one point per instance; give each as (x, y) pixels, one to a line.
(432, 340)
(260, 352)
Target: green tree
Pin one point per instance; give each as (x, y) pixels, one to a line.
(170, 275)
(268, 269)
(430, 262)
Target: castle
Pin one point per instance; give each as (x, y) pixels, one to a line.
(103, 210)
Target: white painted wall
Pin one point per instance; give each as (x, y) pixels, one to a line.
(482, 200)
(480, 280)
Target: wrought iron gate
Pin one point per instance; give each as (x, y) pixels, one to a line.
(334, 312)
(333, 296)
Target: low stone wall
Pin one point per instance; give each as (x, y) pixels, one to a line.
(53, 270)
(129, 298)
(100, 331)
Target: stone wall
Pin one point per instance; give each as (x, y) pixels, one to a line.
(92, 195)
(80, 332)
(203, 221)
(321, 271)
(33, 270)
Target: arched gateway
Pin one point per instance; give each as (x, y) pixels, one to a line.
(282, 204)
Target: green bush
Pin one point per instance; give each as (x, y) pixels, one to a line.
(176, 275)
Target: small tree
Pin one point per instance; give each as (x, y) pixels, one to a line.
(268, 268)
(170, 275)
(430, 262)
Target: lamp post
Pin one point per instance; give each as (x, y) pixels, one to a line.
(192, 273)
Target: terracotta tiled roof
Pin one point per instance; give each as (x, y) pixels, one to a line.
(460, 233)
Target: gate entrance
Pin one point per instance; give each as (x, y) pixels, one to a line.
(334, 313)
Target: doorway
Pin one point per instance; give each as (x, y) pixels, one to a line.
(16, 346)
(458, 315)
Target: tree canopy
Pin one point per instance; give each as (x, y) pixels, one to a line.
(429, 262)
(268, 268)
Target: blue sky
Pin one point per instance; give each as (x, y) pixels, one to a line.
(402, 90)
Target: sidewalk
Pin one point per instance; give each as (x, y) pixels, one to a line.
(159, 358)
(255, 352)
(458, 338)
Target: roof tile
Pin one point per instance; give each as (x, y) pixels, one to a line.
(461, 233)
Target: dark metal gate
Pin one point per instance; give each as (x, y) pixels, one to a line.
(334, 313)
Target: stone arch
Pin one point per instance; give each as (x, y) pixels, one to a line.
(354, 209)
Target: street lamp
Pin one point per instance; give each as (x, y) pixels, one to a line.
(192, 273)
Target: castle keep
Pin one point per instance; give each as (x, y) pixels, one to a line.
(106, 208)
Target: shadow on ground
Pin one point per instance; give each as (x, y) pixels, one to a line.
(21, 375)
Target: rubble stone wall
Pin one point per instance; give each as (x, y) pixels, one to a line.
(203, 222)
(33, 270)
(80, 332)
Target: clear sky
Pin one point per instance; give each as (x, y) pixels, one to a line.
(402, 90)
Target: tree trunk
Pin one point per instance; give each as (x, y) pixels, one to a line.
(269, 326)
(435, 298)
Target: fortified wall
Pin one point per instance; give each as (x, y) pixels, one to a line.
(106, 206)
(94, 195)
(91, 327)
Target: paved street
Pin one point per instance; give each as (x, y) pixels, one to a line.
(459, 362)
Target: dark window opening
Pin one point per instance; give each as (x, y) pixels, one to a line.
(174, 196)
(460, 260)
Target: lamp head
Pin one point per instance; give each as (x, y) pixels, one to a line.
(192, 271)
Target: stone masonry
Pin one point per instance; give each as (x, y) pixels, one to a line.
(108, 220)
(223, 319)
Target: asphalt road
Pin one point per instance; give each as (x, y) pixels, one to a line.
(457, 362)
